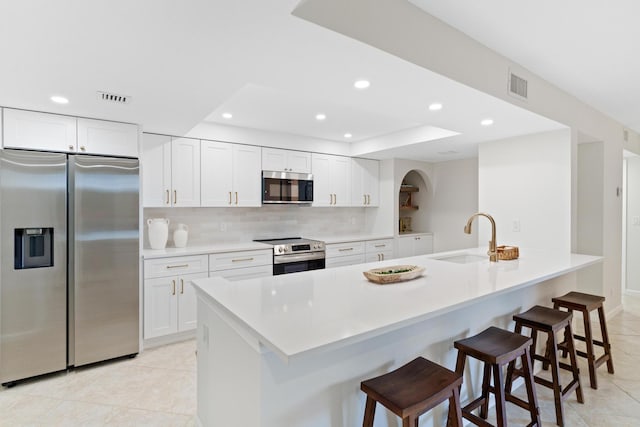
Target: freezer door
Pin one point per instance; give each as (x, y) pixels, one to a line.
(104, 295)
(33, 297)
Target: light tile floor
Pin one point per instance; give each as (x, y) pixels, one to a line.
(158, 388)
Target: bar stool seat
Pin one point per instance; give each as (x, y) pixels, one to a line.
(496, 348)
(412, 390)
(586, 303)
(550, 321)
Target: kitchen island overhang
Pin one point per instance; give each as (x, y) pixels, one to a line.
(290, 328)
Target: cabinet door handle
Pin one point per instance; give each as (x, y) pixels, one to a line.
(230, 197)
(417, 238)
(71, 147)
(236, 197)
(168, 201)
(175, 197)
(182, 286)
(178, 266)
(365, 198)
(82, 148)
(381, 246)
(242, 259)
(345, 249)
(173, 287)
(382, 256)
(368, 199)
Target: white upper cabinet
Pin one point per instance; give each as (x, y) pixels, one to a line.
(156, 170)
(364, 182)
(170, 171)
(274, 159)
(231, 174)
(331, 180)
(185, 172)
(39, 131)
(107, 138)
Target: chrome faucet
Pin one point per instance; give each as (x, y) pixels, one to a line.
(493, 252)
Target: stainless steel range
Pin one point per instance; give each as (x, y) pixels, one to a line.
(295, 254)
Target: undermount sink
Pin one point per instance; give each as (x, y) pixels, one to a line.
(463, 258)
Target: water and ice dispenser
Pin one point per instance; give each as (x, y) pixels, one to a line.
(33, 248)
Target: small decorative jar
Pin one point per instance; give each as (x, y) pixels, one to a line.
(158, 230)
(180, 235)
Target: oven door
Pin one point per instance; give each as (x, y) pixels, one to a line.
(286, 187)
(285, 264)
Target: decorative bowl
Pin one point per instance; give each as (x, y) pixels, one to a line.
(393, 274)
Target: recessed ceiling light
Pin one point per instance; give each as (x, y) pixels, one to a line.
(321, 116)
(347, 135)
(59, 99)
(227, 115)
(362, 84)
(486, 122)
(435, 106)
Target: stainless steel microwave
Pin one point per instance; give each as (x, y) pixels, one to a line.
(287, 187)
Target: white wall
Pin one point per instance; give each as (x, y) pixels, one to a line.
(231, 225)
(527, 179)
(633, 224)
(455, 198)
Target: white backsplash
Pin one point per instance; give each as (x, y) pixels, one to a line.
(230, 225)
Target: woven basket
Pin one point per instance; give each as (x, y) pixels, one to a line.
(508, 252)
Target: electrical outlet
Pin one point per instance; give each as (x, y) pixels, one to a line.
(516, 226)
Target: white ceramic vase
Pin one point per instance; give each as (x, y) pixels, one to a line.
(180, 235)
(158, 230)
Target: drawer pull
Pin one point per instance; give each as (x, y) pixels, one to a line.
(345, 249)
(381, 246)
(178, 266)
(242, 259)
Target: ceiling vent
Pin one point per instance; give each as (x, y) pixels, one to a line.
(115, 98)
(518, 86)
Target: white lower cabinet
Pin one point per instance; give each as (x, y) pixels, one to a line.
(341, 254)
(169, 297)
(378, 250)
(415, 244)
(241, 265)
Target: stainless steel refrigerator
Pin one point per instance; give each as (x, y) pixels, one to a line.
(69, 236)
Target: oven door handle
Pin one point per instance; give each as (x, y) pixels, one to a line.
(287, 259)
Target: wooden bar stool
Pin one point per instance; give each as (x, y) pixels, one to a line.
(496, 348)
(412, 390)
(586, 303)
(549, 321)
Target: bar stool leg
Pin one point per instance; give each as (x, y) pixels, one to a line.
(455, 409)
(605, 339)
(527, 371)
(591, 359)
(486, 379)
(499, 392)
(555, 374)
(570, 345)
(369, 411)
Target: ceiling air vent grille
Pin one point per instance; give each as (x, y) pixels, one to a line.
(115, 98)
(518, 86)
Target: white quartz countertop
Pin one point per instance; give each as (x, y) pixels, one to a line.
(204, 249)
(294, 314)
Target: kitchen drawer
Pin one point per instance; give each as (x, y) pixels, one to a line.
(232, 260)
(244, 273)
(375, 246)
(344, 249)
(342, 261)
(163, 267)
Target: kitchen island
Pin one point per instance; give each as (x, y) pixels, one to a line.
(291, 350)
